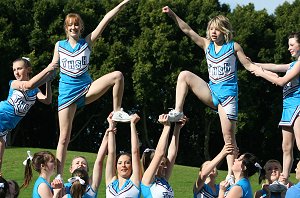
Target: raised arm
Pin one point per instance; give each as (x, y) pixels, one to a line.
(160, 150)
(135, 152)
(111, 156)
(271, 66)
(90, 39)
(243, 59)
(281, 81)
(200, 41)
(34, 81)
(173, 147)
(97, 171)
(208, 167)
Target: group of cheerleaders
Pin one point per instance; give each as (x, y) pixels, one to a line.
(124, 176)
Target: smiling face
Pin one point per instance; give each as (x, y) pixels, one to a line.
(73, 26)
(294, 47)
(273, 170)
(21, 71)
(124, 166)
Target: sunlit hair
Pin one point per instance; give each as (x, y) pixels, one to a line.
(77, 190)
(42, 157)
(74, 18)
(263, 171)
(295, 35)
(147, 157)
(221, 23)
(79, 156)
(4, 187)
(249, 160)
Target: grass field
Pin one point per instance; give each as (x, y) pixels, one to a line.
(182, 178)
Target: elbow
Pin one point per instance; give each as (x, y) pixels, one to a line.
(280, 82)
(135, 151)
(48, 102)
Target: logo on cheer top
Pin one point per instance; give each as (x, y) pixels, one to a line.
(74, 64)
(21, 103)
(219, 70)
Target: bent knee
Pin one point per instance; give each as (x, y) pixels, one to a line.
(118, 75)
(184, 75)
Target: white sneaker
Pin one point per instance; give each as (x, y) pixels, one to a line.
(121, 116)
(175, 116)
(277, 186)
(230, 179)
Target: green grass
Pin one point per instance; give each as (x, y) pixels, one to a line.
(182, 179)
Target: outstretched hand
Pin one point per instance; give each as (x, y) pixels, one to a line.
(135, 118)
(57, 184)
(164, 119)
(228, 149)
(223, 185)
(167, 10)
(112, 124)
(52, 66)
(258, 71)
(181, 122)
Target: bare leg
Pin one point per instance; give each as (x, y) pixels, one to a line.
(66, 117)
(187, 80)
(288, 140)
(101, 85)
(296, 128)
(2, 148)
(228, 129)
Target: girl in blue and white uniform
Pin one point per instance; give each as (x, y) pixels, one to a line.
(44, 163)
(157, 167)
(80, 163)
(123, 172)
(79, 184)
(221, 93)
(23, 93)
(243, 168)
(205, 185)
(76, 88)
(290, 121)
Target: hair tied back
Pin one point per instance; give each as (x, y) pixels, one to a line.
(26, 58)
(28, 158)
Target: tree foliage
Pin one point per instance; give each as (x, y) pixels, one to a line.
(150, 50)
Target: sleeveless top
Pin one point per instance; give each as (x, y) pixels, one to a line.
(15, 107)
(160, 188)
(222, 68)
(127, 190)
